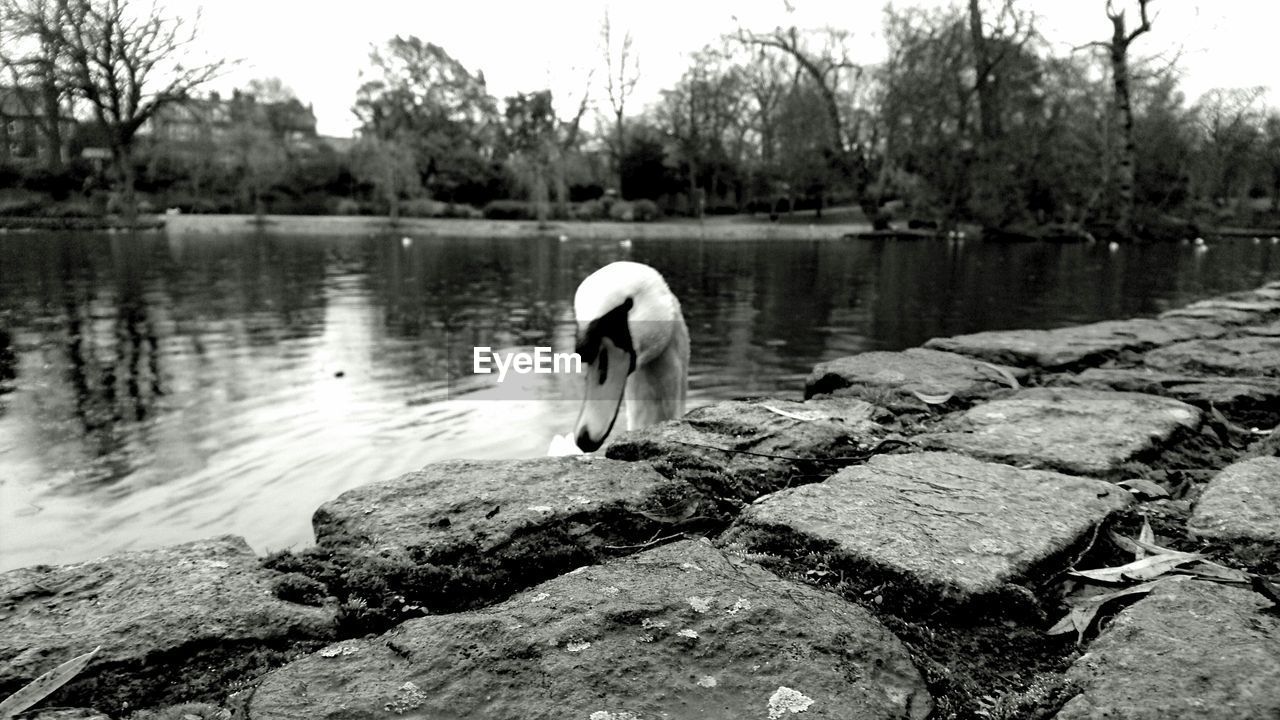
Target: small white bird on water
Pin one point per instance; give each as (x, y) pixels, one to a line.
(634, 344)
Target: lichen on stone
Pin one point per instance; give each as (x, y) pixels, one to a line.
(785, 700)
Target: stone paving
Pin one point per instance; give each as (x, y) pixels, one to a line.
(937, 528)
(1086, 432)
(151, 612)
(896, 545)
(680, 631)
(1189, 650)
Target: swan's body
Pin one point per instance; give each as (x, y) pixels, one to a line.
(634, 344)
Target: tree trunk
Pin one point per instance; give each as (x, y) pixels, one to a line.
(53, 128)
(620, 150)
(1126, 150)
(982, 72)
(123, 155)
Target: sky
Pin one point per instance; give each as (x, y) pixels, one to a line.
(320, 47)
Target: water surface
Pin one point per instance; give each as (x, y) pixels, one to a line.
(160, 389)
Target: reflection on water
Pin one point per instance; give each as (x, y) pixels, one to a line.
(156, 390)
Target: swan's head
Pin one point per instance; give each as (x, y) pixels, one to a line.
(626, 317)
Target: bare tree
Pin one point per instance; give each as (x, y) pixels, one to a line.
(1125, 150)
(622, 74)
(823, 68)
(992, 46)
(125, 64)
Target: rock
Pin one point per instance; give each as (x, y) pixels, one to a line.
(1244, 356)
(69, 714)
(721, 448)
(892, 378)
(679, 631)
(1251, 402)
(1268, 446)
(1241, 503)
(1222, 316)
(492, 527)
(1269, 330)
(154, 612)
(1087, 432)
(1190, 650)
(1075, 347)
(938, 529)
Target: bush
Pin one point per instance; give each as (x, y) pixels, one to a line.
(589, 210)
(623, 210)
(20, 202)
(646, 210)
(343, 206)
(509, 210)
(424, 208)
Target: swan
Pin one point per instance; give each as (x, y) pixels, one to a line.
(634, 343)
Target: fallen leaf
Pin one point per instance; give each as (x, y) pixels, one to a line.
(1145, 569)
(810, 416)
(1007, 376)
(932, 399)
(1085, 608)
(1266, 588)
(1209, 570)
(46, 684)
(1144, 489)
(1146, 536)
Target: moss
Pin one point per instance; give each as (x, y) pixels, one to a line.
(298, 588)
(204, 673)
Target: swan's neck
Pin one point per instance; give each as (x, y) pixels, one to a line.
(656, 390)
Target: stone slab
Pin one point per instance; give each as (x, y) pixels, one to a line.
(892, 378)
(1269, 330)
(724, 448)
(1253, 355)
(1241, 503)
(939, 527)
(1075, 347)
(1247, 401)
(680, 631)
(1087, 432)
(497, 519)
(1190, 650)
(146, 609)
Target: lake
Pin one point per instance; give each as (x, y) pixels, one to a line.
(158, 389)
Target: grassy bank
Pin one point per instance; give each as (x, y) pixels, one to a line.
(710, 229)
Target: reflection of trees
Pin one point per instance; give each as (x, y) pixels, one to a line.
(443, 297)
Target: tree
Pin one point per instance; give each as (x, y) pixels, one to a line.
(124, 64)
(825, 69)
(422, 99)
(30, 54)
(388, 165)
(622, 74)
(1230, 123)
(1124, 150)
(1271, 157)
(531, 130)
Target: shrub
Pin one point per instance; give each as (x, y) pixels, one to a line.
(623, 210)
(589, 210)
(344, 206)
(424, 208)
(509, 210)
(646, 210)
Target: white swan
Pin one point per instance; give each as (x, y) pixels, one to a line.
(634, 344)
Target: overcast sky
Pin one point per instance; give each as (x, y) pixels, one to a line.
(320, 47)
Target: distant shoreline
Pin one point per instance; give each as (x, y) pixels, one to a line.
(711, 229)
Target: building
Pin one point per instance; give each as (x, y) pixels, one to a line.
(213, 128)
(23, 113)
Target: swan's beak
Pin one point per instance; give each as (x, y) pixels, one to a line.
(606, 381)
